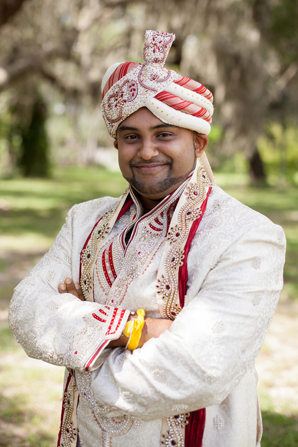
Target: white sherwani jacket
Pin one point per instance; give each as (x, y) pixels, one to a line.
(206, 359)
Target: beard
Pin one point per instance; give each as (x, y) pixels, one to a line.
(160, 186)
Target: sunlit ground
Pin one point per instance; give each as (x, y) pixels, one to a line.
(31, 214)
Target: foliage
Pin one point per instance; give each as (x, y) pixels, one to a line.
(223, 161)
(279, 151)
(9, 140)
(24, 142)
(284, 29)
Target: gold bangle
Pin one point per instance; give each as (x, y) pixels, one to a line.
(133, 330)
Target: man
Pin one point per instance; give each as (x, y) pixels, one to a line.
(206, 270)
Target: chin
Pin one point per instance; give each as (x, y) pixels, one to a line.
(155, 192)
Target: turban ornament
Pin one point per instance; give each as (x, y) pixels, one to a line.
(174, 99)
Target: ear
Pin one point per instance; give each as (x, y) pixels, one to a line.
(200, 142)
(115, 144)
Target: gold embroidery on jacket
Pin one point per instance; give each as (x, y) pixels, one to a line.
(68, 427)
(88, 255)
(173, 433)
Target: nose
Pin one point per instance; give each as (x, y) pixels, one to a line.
(148, 149)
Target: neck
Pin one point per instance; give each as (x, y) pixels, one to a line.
(148, 204)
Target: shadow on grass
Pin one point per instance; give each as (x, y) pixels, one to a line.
(279, 430)
(266, 200)
(46, 222)
(14, 419)
(40, 205)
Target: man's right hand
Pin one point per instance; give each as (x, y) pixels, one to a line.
(68, 286)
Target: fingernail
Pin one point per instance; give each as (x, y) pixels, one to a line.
(68, 281)
(63, 286)
(77, 286)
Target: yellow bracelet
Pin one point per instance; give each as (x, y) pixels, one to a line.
(128, 328)
(133, 330)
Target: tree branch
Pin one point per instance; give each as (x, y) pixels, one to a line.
(28, 63)
(287, 76)
(89, 15)
(50, 77)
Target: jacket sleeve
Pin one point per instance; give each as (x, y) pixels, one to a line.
(212, 342)
(60, 328)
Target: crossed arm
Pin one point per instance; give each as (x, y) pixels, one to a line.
(153, 327)
(206, 350)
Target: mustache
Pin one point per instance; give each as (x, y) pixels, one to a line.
(149, 162)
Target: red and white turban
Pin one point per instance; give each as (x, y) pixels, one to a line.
(128, 86)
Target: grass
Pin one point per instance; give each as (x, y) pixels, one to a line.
(279, 430)
(29, 417)
(7, 340)
(31, 213)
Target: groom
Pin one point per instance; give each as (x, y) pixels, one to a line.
(206, 270)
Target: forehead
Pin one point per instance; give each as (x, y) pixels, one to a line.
(142, 118)
(145, 122)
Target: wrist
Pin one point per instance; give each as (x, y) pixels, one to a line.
(144, 336)
(122, 341)
(133, 330)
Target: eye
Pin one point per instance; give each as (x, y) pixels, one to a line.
(164, 135)
(131, 137)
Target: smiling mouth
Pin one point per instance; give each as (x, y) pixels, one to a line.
(152, 164)
(150, 167)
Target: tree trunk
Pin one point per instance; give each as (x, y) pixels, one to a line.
(256, 168)
(34, 155)
(9, 8)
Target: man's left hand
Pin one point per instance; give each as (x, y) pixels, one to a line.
(153, 327)
(70, 287)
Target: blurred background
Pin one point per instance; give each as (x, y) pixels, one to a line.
(55, 152)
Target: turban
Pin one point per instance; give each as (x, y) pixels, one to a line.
(174, 99)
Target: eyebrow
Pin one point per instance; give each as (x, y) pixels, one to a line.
(162, 125)
(124, 128)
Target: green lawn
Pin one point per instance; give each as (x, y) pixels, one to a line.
(36, 208)
(31, 213)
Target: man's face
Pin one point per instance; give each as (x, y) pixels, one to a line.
(154, 157)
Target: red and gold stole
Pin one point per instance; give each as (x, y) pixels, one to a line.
(173, 274)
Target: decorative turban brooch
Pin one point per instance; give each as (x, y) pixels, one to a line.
(128, 86)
